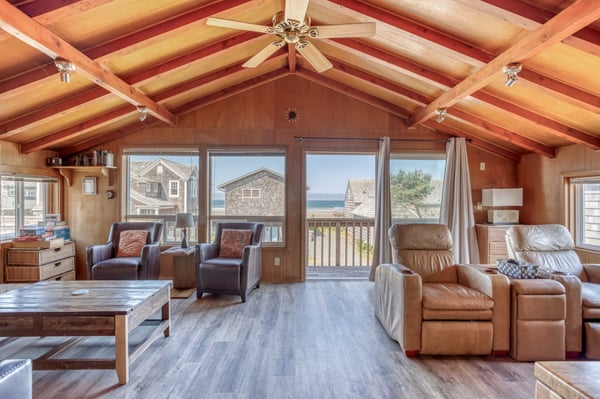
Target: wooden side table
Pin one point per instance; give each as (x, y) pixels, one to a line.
(184, 266)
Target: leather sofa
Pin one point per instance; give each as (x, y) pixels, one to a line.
(104, 264)
(551, 247)
(15, 379)
(431, 305)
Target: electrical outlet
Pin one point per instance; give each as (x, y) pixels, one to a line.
(276, 261)
(482, 166)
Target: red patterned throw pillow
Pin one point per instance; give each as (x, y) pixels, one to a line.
(131, 242)
(233, 242)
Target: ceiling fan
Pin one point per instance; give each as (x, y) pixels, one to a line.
(293, 27)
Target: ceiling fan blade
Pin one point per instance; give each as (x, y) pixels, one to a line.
(313, 56)
(296, 9)
(345, 30)
(263, 54)
(228, 23)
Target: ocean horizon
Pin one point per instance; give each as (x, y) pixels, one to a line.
(310, 204)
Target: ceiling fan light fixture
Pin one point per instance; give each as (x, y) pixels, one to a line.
(441, 114)
(143, 112)
(512, 73)
(65, 67)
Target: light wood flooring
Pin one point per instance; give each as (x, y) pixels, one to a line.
(316, 340)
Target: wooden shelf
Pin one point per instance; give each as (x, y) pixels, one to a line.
(67, 171)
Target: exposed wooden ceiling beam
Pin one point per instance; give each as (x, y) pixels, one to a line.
(479, 57)
(56, 138)
(576, 16)
(586, 39)
(444, 82)
(49, 11)
(73, 104)
(35, 35)
(462, 116)
(122, 44)
(352, 92)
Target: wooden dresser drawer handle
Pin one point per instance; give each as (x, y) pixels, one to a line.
(57, 264)
(57, 249)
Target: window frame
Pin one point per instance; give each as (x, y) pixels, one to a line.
(171, 188)
(278, 222)
(572, 196)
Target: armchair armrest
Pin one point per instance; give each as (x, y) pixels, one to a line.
(207, 251)
(97, 253)
(573, 322)
(251, 271)
(593, 272)
(399, 305)
(150, 261)
(497, 287)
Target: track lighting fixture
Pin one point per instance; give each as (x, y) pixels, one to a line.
(512, 71)
(143, 112)
(441, 114)
(65, 68)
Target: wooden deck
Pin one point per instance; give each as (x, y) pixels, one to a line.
(316, 340)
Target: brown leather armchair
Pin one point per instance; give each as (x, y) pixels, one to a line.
(431, 305)
(103, 263)
(230, 275)
(551, 247)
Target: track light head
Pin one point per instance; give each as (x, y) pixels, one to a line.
(143, 112)
(512, 72)
(65, 68)
(441, 114)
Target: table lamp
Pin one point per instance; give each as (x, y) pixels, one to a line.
(183, 221)
(502, 197)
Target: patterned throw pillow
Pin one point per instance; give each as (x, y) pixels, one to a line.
(131, 242)
(233, 242)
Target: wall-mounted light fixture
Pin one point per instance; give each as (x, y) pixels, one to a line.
(441, 114)
(512, 72)
(143, 112)
(65, 68)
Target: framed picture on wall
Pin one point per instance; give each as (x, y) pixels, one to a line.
(88, 185)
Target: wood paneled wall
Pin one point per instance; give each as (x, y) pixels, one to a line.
(255, 119)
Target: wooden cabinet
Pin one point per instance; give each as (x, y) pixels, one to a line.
(25, 265)
(491, 242)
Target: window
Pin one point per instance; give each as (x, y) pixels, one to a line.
(25, 201)
(585, 211)
(171, 188)
(236, 177)
(174, 188)
(416, 184)
(251, 193)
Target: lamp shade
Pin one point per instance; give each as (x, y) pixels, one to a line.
(502, 197)
(183, 220)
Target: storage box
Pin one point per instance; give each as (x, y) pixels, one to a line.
(517, 268)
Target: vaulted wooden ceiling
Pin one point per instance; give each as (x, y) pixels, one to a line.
(426, 56)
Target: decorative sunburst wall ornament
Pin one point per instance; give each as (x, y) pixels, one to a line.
(292, 114)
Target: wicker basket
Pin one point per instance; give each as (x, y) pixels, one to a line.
(517, 268)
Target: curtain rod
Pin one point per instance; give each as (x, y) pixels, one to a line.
(302, 138)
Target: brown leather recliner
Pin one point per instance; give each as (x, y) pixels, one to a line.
(551, 247)
(230, 275)
(431, 305)
(103, 264)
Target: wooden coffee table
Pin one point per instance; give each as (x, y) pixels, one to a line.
(109, 308)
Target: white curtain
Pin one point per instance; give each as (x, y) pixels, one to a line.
(383, 208)
(457, 205)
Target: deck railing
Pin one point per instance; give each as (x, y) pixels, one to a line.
(339, 242)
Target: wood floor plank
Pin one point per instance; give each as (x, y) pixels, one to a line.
(316, 340)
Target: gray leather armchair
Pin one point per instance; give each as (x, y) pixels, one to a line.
(15, 379)
(230, 275)
(103, 264)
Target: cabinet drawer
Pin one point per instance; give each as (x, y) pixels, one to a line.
(65, 276)
(35, 273)
(497, 234)
(497, 248)
(35, 257)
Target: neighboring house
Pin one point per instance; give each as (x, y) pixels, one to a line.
(358, 192)
(259, 192)
(162, 187)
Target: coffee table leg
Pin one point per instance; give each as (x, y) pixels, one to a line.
(166, 315)
(121, 349)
